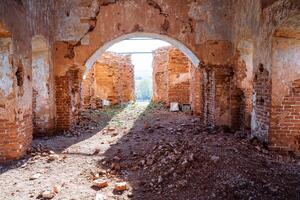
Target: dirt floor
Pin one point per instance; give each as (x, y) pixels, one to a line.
(158, 154)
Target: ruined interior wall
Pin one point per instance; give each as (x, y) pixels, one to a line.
(23, 19)
(105, 82)
(256, 21)
(285, 121)
(159, 74)
(76, 29)
(82, 27)
(127, 86)
(196, 88)
(68, 100)
(40, 18)
(178, 77)
(220, 103)
(16, 94)
(223, 95)
(208, 94)
(77, 21)
(171, 74)
(111, 78)
(272, 16)
(43, 115)
(88, 89)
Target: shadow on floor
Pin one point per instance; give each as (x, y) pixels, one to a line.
(171, 156)
(92, 122)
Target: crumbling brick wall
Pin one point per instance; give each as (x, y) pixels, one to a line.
(111, 78)
(15, 82)
(178, 77)
(68, 98)
(196, 87)
(159, 75)
(76, 30)
(285, 121)
(171, 76)
(285, 111)
(219, 101)
(87, 89)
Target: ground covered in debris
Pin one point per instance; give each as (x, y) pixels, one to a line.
(143, 151)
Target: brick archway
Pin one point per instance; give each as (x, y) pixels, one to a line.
(183, 48)
(284, 131)
(186, 53)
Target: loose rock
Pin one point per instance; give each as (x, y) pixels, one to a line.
(121, 186)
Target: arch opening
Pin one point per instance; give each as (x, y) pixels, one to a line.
(194, 59)
(169, 75)
(284, 126)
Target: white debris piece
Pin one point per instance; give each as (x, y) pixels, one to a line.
(174, 107)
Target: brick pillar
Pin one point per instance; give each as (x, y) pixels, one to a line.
(209, 97)
(67, 99)
(196, 90)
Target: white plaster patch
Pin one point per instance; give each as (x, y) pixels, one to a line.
(253, 116)
(6, 70)
(181, 78)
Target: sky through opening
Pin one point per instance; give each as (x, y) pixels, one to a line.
(140, 50)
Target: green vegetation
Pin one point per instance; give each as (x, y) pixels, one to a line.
(143, 90)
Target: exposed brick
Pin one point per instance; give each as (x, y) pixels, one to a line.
(111, 78)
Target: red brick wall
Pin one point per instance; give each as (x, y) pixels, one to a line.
(15, 138)
(160, 75)
(195, 90)
(63, 103)
(126, 80)
(67, 99)
(208, 96)
(220, 98)
(178, 77)
(285, 121)
(8, 141)
(171, 76)
(111, 78)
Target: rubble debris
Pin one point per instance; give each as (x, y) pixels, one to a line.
(56, 188)
(35, 176)
(215, 158)
(174, 107)
(101, 183)
(121, 186)
(178, 159)
(48, 194)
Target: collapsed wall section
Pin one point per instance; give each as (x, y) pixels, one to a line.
(171, 76)
(111, 78)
